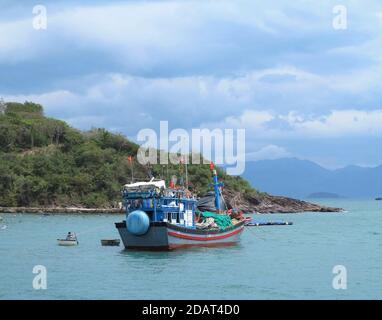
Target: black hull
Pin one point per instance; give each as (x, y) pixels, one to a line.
(166, 236)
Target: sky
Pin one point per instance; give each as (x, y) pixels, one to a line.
(280, 69)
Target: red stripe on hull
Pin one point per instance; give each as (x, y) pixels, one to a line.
(213, 244)
(189, 237)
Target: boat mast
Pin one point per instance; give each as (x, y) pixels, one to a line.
(186, 162)
(131, 159)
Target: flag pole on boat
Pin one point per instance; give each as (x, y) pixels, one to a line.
(131, 158)
(216, 184)
(186, 162)
(181, 171)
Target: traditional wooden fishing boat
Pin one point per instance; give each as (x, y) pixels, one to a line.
(165, 218)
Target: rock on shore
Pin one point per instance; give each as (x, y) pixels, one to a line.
(265, 203)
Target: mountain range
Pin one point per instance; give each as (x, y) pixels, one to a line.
(300, 178)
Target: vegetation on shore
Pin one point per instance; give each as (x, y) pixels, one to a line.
(44, 162)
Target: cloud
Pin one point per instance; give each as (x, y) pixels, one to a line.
(269, 152)
(279, 70)
(293, 125)
(204, 99)
(185, 37)
(121, 100)
(340, 123)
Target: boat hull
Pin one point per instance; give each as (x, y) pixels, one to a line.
(67, 243)
(166, 236)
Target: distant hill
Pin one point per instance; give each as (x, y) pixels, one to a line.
(45, 162)
(301, 178)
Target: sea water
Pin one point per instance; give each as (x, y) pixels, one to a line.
(271, 262)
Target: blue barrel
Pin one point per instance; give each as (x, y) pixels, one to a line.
(138, 222)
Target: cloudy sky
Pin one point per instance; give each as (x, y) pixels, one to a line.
(279, 69)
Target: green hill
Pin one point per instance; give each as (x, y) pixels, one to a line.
(45, 162)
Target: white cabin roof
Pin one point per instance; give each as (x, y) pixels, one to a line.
(158, 184)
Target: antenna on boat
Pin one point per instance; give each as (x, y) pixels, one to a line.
(184, 159)
(186, 165)
(181, 182)
(131, 159)
(167, 174)
(149, 169)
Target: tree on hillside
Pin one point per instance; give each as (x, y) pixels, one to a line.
(3, 106)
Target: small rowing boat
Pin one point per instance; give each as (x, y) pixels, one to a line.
(65, 242)
(71, 240)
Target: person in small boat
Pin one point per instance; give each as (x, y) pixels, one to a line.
(71, 236)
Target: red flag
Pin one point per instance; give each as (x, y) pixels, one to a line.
(212, 166)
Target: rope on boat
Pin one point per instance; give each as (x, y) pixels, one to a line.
(253, 223)
(255, 234)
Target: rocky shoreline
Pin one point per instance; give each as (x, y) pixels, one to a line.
(262, 203)
(265, 203)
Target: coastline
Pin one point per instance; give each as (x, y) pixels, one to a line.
(61, 210)
(263, 208)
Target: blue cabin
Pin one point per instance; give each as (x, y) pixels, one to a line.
(175, 206)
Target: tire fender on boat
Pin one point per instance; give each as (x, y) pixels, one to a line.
(138, 222)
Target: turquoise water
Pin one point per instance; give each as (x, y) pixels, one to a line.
(279, 262)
